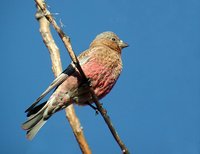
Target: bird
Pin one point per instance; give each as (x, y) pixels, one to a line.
(102, 65)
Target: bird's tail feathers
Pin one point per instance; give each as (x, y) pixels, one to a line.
(35, 121)
(34, 130)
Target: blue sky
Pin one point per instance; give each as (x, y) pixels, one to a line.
(155, 103)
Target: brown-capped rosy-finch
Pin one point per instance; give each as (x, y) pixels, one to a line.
(101, 63)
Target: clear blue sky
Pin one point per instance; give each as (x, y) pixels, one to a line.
(154, 105)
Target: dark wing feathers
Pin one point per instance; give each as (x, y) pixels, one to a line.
(59, 80)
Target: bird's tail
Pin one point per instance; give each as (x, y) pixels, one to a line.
(35, 120)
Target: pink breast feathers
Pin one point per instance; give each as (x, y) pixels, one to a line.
(101, 76)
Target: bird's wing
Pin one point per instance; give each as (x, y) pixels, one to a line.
(60, 79)
(83, 58)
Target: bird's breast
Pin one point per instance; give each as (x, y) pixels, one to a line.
(103, 76)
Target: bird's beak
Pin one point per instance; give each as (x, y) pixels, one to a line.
(123, 44)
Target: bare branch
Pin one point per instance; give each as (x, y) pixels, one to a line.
(49, 42)
(68, 46)
(57, 69)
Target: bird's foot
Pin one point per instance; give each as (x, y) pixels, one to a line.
(89, 82)
(94, 108)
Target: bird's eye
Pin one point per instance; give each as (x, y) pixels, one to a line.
(113, 39)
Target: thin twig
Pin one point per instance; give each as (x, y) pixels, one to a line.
(57, 69)
(74, 58)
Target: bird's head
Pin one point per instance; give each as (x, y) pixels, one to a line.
(109, 39)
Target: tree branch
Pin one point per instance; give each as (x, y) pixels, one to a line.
(57, 69)
(68, 46)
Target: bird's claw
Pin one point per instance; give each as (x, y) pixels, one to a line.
(96, 112)
(89, 82)
(94, 108)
